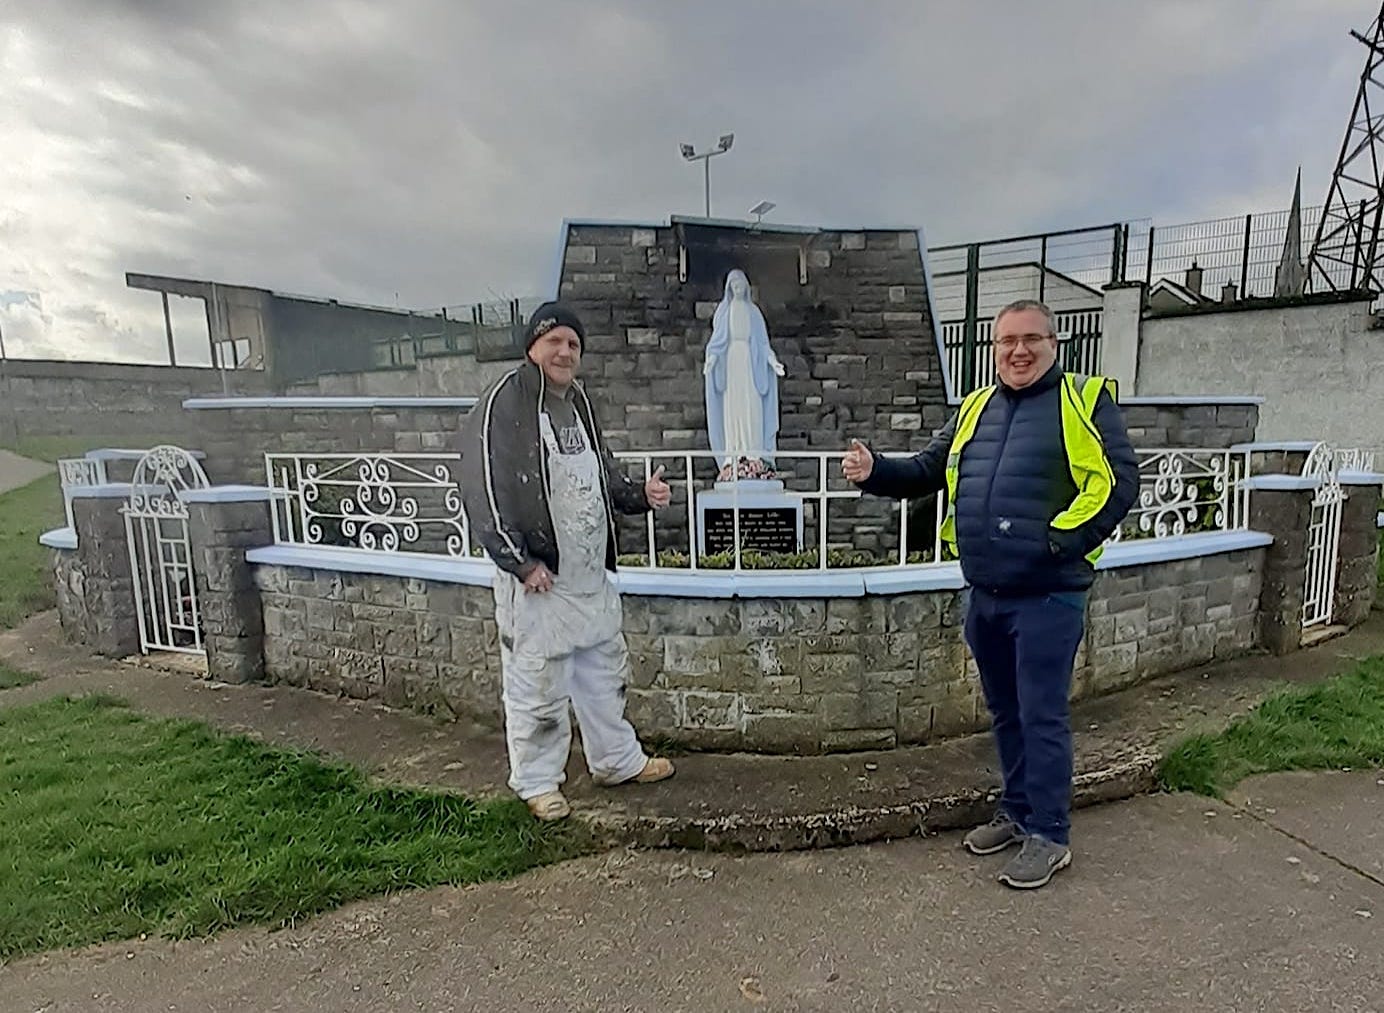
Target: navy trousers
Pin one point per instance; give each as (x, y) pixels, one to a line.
(1024, 647)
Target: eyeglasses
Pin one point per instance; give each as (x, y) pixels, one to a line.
(1030, 341)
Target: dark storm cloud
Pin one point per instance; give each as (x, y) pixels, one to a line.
(431, 149)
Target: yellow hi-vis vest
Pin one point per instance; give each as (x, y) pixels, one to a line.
(1090, 468)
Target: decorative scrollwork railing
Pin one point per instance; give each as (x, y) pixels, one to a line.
(1185, 491)
(412, 503)
(375, 502)
(1352, 459)
(76, 473)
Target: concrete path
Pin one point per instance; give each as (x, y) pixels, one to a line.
(1341, 815)
(16, 471)
(1172, 903)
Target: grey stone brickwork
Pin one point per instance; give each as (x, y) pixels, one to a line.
(69, 583)
(1277, 462)
(1147, 621)
(113, 400)
(1357, 578)
(1284, 514)
(235, 440)
(232, 617)
(856, 342)
(430, 646)
(1190, 425)
(96, 596)
(769, 675)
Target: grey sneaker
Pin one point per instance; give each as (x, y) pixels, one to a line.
(1036, 863)
(1000, 833)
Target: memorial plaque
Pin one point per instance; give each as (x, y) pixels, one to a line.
(761, 529)
(771, 520)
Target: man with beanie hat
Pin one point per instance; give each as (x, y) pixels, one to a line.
(540, 489)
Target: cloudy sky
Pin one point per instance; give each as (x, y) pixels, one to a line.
(424, 152)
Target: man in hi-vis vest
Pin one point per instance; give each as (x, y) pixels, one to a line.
(1039, 472)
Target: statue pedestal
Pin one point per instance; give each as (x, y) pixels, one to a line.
(771, 520)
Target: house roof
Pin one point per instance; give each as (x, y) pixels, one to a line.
(1178, 291)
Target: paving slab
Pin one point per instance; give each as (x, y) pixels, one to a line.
(1172, 903)
(16, 471)
(1341, 816)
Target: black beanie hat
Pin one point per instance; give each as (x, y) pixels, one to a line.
(548, 316)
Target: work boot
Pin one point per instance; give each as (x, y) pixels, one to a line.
(1000, 833)
(1036, 863)
(550, 806)
(656, 768)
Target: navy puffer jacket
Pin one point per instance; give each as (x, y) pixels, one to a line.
(1013, 481)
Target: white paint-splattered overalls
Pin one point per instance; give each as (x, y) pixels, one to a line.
(566, 645)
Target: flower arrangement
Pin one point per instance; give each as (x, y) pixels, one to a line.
(747, 468)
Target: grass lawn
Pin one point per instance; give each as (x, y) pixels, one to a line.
(9, 678)
(1338, 723)
(50, 448)
(113, 824)
(26, 585)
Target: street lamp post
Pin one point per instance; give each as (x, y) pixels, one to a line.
(705, 157)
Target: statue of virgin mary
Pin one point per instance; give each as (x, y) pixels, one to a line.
(742, 402)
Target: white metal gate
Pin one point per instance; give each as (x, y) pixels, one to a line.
(1323, 536)
(160, 552)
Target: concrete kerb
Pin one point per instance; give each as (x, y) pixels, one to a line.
(801, 803)
(923, 816)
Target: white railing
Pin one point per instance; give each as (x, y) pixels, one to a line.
(76, 472)
(812, 480)
(1353, 459)
(411, 503)
(373, 502)
(1186, 491)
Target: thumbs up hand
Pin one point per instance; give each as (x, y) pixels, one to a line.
(858, 463)
(656, 490)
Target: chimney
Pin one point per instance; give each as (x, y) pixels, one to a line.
(1193, 281)
(1228, 292)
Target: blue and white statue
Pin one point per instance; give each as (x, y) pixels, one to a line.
(742, 402)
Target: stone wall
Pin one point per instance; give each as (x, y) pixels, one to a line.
(69, 581)
(1318, 364)
(427, 645)
(232, 611)
(1357, 581)
(444, 374)
(109, 400)
(235, 440)
(856, 341)
(776, 675)
(1154, 422)
(95, 588)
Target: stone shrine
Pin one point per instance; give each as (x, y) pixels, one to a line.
(850, 321)
(742, 412)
